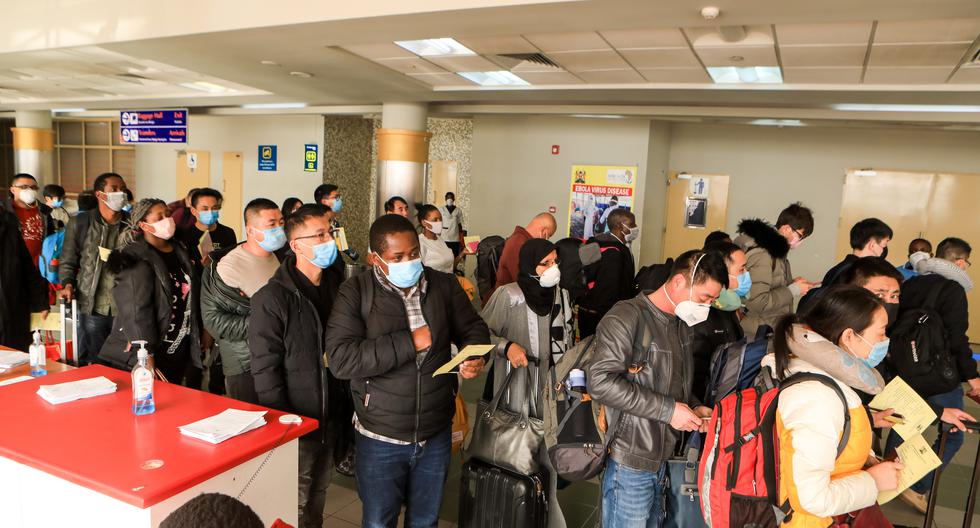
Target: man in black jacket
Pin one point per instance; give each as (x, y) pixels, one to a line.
(22, 289)
(286, 339)
(389, 330)
(612, 278)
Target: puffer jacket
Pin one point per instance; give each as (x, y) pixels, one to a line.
(80, 264)
(143, 291)
(772, 292)
(817, 483)
(635, 332)
(225, 313)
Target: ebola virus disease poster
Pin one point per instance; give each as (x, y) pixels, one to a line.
(596, 191)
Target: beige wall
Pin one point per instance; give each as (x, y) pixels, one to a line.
(515, 176)
(771, 167)
(155, 164)
(655, 197)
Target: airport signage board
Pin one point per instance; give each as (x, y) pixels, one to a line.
(153, 126)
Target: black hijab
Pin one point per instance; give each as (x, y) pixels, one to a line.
(540, 300)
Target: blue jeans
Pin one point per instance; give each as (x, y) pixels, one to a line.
(389, 475)
(632, 498)
(93, 330)
(954, 442)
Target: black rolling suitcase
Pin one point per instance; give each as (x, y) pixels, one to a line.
(491, 497)
(971, 497)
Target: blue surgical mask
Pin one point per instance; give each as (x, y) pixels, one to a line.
(878, 352)
(57, 203)
(272, 238)
(744, 284)
(403, 274)
(338, 204)
(208, 218)
(323, 254)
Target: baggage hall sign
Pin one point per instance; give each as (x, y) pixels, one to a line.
(153, 126)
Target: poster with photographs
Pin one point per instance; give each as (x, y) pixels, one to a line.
(597, 190)
(696, 213)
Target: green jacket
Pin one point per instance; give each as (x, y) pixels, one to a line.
(80, 264)
(225, 311)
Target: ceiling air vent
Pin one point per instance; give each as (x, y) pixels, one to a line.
(512, 60)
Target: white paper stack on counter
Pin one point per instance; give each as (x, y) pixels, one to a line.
(76, 390)
(224, 425)
(13, 358)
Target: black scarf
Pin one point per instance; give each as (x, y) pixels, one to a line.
(540, 300)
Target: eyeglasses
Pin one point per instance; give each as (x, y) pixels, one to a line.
(800, 233)
(549, 263)
(23, 187)
(968, 264)
(322, 237)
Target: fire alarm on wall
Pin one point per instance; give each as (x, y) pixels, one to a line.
(552, 209)
(555, 149)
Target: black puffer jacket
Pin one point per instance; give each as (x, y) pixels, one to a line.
(393, 396)
(142, 293)
(285, 335)
(22, 289)
(224, 311)
(614, 275)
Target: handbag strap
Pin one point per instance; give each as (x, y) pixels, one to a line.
(527, 408)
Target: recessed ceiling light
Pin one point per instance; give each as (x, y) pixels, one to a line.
(904, 108)
(260, 106)
(599, 116)
(745, 74)
(865, 172)
(435, 47)
(66, 110)
(269, 63)
(494, 78)
(204, 86)
(778, 122)
(301, 74)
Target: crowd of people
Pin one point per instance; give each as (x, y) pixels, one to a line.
(278, 320)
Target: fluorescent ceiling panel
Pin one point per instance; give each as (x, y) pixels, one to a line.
(747, 74)
(435, 47)
(494, 78)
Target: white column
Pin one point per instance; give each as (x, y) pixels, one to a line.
(34, 145)
(403, 153)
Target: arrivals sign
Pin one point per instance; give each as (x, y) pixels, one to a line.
(153, 126)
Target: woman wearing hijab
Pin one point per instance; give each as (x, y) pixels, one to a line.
(531, 321)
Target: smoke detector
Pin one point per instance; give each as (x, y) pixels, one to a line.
(710, 12)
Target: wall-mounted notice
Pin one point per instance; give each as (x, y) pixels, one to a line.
(267, 158)
(596, 191)
(312, 158)
(153, 126)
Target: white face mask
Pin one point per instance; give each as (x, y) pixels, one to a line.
(689, 311)
(551, 277)
(435, 227)
(115, 200)
(28, 196)
(450, 202)
(633, 234)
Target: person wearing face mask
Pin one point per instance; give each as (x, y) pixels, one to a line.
(869, 238)
(286, 331)
(542, 226)
(89, 239)
(611, 279)
(206, 212)
(23, 290)
(641, 372)
(34, 217)
(54, 197)
(389, 330)
(230, 280)
(774, 290)
(452, 223)
(918, 245)
(435, 253)
(154, 280)
(841, 336)
(531, 320)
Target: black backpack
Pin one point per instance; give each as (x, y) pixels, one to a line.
(487, 260)
(919, 349)
(654, 276)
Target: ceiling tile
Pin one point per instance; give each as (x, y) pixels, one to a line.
(711, 37)
(822, 75)
(750, 56)
(836, 33)
(794, 56)
(497, 45)
(415, 65)
(661, 58)
(383, 50)
(554, 77)
(611, 76)
(906, 75)
(441, 79)
(550, 42)
(645, 38)
(470, 63)
(946, 30)
(917, 54)
(577, 61)
(970, 75)
(675, 75)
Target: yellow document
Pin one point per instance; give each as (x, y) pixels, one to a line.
(918, 458)
(104, 253)
(914, 410)
(51, 323)
(340, 235)
(470, 352)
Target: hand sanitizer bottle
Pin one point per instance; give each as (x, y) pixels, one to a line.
(38, 356)
(142, 382)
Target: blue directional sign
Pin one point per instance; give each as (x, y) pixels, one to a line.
(311, 158)
(153, 126)
(267, 157)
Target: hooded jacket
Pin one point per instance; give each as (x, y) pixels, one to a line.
(225, 313)
(143, 291)
(772, 292)
(22, 289)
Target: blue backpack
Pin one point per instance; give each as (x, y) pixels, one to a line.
(734, 366)
(47, 262)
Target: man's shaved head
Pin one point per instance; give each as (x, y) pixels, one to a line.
(543, 226)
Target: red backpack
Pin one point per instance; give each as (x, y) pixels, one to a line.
(739, 468)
